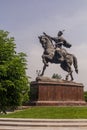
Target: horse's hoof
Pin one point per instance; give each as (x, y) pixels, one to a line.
(71, 79)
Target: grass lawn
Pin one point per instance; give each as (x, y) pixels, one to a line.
(50, 113)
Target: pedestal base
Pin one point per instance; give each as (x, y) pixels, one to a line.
(57, 103)
(56, 93)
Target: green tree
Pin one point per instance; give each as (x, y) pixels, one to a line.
(14, 84)
(85, 96)
(56, 76)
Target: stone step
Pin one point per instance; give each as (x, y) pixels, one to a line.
(43, 128)
(43, 122)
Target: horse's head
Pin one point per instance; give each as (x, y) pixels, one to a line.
(45, 42)
(42, 39)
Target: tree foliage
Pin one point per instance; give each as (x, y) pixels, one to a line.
(14, 85)
(85, 96)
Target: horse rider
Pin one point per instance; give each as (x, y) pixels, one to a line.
(59, 42)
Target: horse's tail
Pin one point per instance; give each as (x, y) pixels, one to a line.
(75, 64)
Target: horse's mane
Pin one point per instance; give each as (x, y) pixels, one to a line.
(49, 39)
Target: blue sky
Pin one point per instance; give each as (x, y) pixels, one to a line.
(27, 19)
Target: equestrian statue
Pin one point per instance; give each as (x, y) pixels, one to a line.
(55, 53)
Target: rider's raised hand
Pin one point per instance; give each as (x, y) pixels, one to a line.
(44, 33)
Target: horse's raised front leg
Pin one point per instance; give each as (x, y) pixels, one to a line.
(44, 67)
(44, 59)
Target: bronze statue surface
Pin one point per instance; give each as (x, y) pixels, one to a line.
(56, 54)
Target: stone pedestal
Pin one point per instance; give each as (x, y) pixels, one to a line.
(56, 93)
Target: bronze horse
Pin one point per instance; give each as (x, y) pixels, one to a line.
(50, 54)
